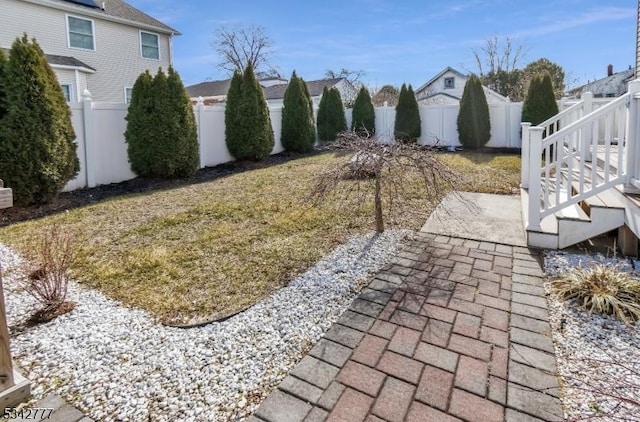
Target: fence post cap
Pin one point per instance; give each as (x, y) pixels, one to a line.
(86, 95)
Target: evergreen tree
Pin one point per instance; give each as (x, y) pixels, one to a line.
(140, 122)
(233, 118)
(37, 149)
(363, 120)
(407, 124)
(158, 133)
(252, 132)
(183, 127)
(298, 131)
(3, 81)
(474, 124)
(540, 103)
(310, 101)
(161, 135)
(331, 117)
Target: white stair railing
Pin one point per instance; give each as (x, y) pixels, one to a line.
(564, 164)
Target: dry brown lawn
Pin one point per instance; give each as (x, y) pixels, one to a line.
(207, 250)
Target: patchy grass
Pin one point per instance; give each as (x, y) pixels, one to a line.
(207, 250)
(486, 173)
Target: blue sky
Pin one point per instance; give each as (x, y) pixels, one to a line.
(396, 41)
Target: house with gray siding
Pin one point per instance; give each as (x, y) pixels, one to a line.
(100, 45)
(447, 87)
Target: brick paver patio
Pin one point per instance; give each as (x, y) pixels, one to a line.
(452, 330)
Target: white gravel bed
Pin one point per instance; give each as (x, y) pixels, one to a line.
(598, 356)
(119, 364)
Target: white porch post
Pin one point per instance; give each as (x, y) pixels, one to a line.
(633, 131)
(525, 156)
(535, 153)
(586, 133)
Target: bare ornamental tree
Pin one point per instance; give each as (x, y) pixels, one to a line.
(238, 46)
(387, 173)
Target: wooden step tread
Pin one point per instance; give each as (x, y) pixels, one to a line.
(573, 212)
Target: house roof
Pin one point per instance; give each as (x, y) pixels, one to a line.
(117, 10)
(55, 60)
(209, 89)
(276, 92)
(272, 92)
(607, 85)
(442, 72)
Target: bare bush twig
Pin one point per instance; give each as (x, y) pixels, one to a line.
(387, 173)
(49, 260)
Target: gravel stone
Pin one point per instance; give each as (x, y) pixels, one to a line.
(119, 363)
(597, 356)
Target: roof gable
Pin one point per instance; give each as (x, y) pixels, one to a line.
(439, 75)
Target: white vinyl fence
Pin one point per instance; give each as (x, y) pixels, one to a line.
(102, 149)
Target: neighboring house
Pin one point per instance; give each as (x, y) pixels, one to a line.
(447, 88)
(210, 91)
(213, 92)
(101, 45)
(275, 93)
(611, 86)
(274, 88)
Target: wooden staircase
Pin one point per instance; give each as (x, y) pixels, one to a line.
(576, 223)
(576, 167)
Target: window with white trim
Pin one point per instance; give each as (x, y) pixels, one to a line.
(149, 45)
(80, 33)
(66, 90)
(127, 94)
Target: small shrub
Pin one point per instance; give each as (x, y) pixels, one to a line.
(474, 124)
(161, 135)
(540, 103)
(363, 120)
(407, 124)
(249, 135)
(331, 118)
(601, 288)
(49, 261)
(298, 130)
(232, 118)
(37, 149)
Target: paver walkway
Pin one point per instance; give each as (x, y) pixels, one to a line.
(452, 330)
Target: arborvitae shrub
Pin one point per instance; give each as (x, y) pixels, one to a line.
(37, 149)
(183, 130)
(140, 122)
(161, 135)
(474, 124)
(407, 124)
(3, 81)
(540, 103)
(233, 118)
(258, 139)
(298, 131)
(331, 117)
(363, 120)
